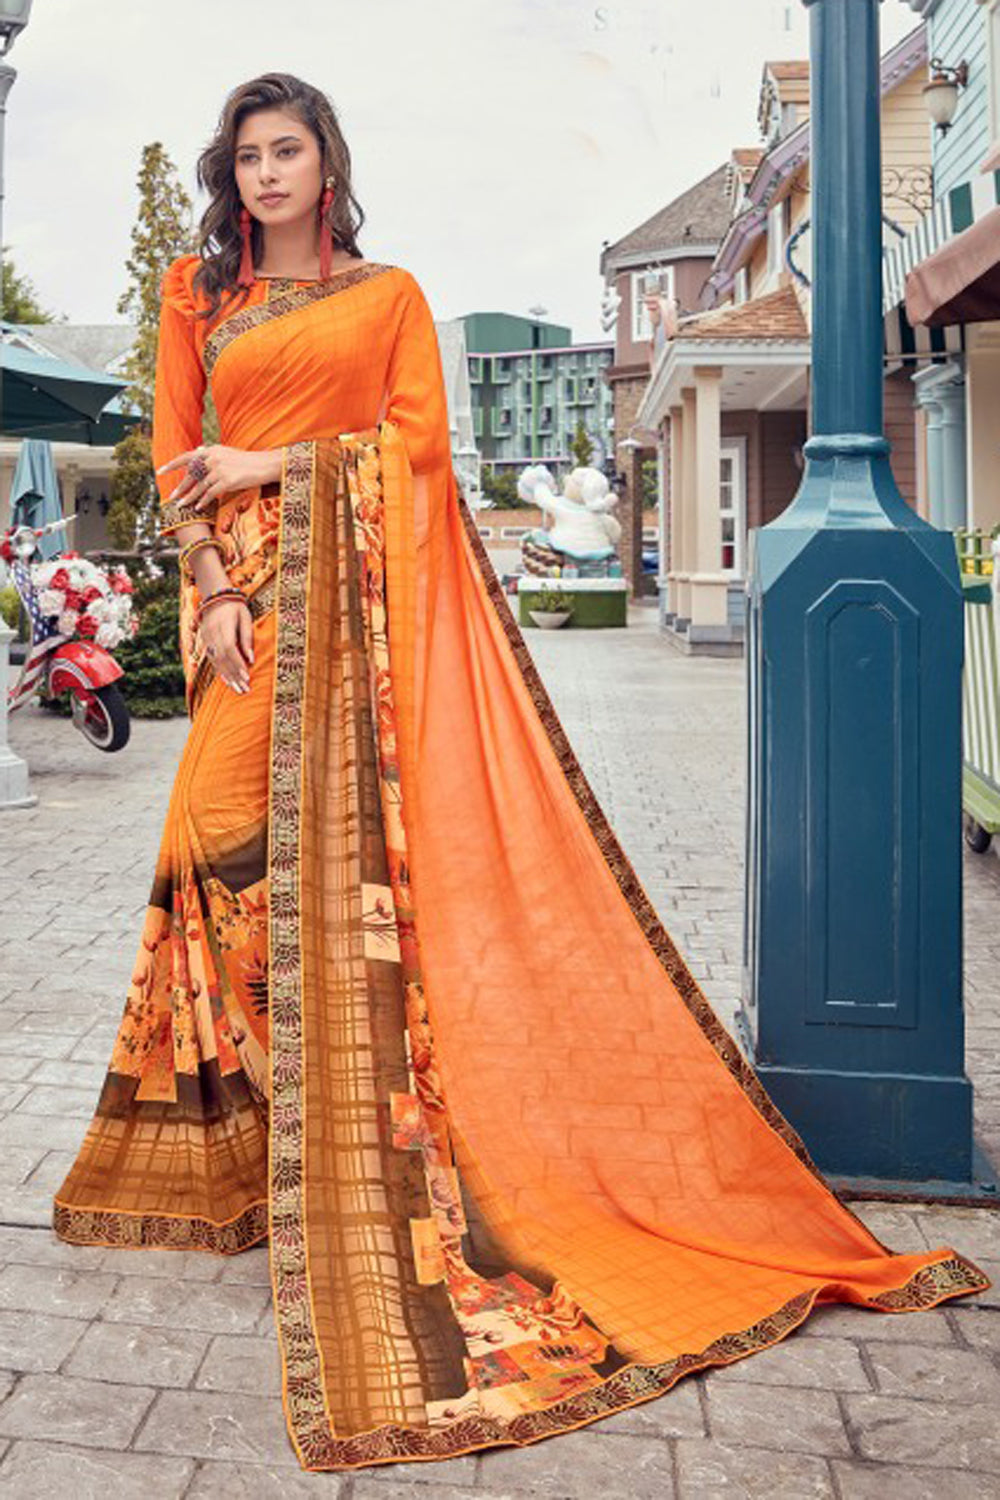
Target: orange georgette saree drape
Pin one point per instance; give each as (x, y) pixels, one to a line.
(401, 1004)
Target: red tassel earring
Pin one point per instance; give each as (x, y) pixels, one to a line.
(325, 232)
(246, 276)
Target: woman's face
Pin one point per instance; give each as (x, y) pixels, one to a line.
(278, 166)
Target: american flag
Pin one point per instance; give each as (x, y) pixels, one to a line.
(44, 635)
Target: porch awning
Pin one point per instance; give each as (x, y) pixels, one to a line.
(960, 283)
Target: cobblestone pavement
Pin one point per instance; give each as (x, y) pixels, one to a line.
(155, 1374)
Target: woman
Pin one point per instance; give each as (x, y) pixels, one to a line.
(401, 1005)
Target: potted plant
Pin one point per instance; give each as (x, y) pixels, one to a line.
(552, 608)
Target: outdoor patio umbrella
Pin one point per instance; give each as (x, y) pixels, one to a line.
(34, 494)
(42, 396)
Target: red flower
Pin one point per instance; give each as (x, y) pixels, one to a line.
(91, 593)
(121, 583)
(74, 599)
(71, 554)
(59, 579)
(87, 625)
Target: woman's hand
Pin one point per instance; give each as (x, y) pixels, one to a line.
(226, 629)
(227, 469)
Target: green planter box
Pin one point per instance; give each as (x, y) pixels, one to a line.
(597, 602)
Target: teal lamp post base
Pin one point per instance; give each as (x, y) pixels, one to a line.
(853, 961)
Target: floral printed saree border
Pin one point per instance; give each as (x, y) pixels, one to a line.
(121, 1229)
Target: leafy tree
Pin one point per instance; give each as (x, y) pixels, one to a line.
(18, 298)
(161, 232)
(501, 488)
(581, 447)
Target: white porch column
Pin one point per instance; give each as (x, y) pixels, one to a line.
(672, 522)
(685, 562)
(709, 585)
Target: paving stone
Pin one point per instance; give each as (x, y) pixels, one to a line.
(40, 1247)
(60, 1099)
(64, 1410)
(215, 1481)
(425, 1480)
(706, 1470)
(828, 1364)
(222, 1425)
(865, 1325)
(776, 1417)
(37, 1044)
(13, 1067)
(979, 1327)
(36, 1471)
(896, 1228)
(78, 1074)
(70, 1294)
(178, 1265)
(18, 1162)
(51, 1131)
(36, 1341)
(250, 1267)
(174, 1304)
(945, 1435)
(885, 1482)
(935, 1374)
(579, 1465)
(369, 1487)
(128, 1355)
(677, 1413)
(972, 1231)
(252, 1365)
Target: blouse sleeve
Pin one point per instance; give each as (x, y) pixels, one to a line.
(179, 391)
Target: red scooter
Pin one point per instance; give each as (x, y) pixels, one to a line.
(57, 662)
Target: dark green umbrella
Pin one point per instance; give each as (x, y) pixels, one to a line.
(46, 397)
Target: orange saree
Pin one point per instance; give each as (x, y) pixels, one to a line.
(401, 1005)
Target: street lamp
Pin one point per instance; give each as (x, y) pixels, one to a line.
(852, 986)
(14, 790)
(13, 19)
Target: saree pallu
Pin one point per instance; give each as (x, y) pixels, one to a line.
(404, 1008)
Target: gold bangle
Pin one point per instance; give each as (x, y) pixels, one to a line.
(190, 548)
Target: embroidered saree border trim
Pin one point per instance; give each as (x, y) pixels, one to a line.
(628, 1386)
(121, 1229)
(278, 302)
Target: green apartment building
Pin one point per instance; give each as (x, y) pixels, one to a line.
(530, 387)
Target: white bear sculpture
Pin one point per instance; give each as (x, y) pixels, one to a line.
(583, 533)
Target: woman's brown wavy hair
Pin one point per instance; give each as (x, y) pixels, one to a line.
(219, 243)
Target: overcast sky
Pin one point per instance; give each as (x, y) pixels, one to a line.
(496, 143)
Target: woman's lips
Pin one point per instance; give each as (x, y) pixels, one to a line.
(273, 197)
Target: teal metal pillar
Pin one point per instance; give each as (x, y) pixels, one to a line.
(852, 1004)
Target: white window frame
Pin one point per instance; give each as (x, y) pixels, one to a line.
(642, 328)
(741, 286)
(735, 449)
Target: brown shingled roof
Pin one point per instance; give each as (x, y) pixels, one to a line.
(787, 70)
(699, 216)
(776, 317)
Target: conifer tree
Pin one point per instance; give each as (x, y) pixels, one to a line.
(161, 232)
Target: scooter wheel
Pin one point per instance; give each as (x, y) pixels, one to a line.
(105, 721)
(976, 836)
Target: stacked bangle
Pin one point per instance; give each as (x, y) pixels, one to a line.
(190, 548)
(227, 591)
